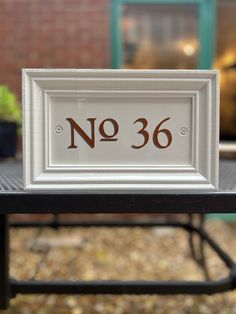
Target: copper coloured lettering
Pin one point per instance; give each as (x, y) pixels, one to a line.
(112, 134)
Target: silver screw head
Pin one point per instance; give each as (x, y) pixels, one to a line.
(58, 129)
(183, 131)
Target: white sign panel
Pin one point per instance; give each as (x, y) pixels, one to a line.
(122, 131)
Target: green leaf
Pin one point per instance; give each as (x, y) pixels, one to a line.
(9, 107)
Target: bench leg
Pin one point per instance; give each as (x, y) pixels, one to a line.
(4, 262)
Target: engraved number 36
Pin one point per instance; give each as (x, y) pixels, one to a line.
(156, 133)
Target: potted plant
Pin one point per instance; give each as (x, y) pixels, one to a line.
(10, 122)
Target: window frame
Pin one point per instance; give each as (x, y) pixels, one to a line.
(207, 18)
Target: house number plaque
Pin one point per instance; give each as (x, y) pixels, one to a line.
(124, 131)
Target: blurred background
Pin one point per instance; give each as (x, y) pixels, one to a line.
(154, 34)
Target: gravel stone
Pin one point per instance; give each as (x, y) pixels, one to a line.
(119, 253)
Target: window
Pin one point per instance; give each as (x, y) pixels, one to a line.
(163, 33)
(226, 61)
(160, 36)
(174, 34)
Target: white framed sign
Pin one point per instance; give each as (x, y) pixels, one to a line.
(134, 131)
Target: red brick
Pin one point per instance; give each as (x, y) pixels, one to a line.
(55, 33)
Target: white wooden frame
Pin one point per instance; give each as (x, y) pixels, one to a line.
(202, 86)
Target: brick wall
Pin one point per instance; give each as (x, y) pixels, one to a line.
(52, 33)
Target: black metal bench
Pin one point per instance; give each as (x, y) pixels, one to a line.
(14, 200)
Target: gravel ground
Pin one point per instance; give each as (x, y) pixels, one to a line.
(118, 253)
